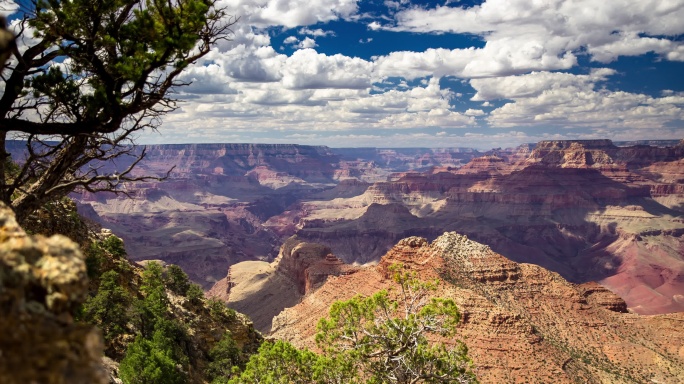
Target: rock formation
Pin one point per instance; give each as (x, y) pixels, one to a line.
(521, 322)
(262, 290)
(590, 209)
(207, 215)
(42, 280)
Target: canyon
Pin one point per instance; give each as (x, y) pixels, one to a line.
(588, 210)
(520, 322)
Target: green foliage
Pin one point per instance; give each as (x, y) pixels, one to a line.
(99, 253)
(177, 280)
(280, 362)
(114, 245)
(162, 350)
(148, 362)
(154, 305)
(223, 357)
(384, 338)
(94, 258)
(171, 336)
(195, 294)
(220, 311)
(109, 307)
(152, 36)
(119, 63)
(161, 347)
(389, 336)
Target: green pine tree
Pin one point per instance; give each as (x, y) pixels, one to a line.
(109, 307)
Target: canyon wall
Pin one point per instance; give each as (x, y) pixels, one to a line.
(262, 290)
(589, 210)
(520, 322)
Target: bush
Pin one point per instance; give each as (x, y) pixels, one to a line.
(160, 350)
(388, 334)
(224, 356)
(378, 339)
(109, 307)
(177, 280)
(154, 305)
(220, 311)
(114, 245)
(147, 362)
(195, 294)
(281, 362)
(94, 258)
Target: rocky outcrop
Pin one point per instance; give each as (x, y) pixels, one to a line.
(42, 281)
(262, 290)
(492, 165)
(565, 205)
(600, 153)
(596, 294)
(296, 258)
(573, 154)
(521, 323)
(569, 206)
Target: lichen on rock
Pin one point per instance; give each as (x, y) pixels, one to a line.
(42, 281)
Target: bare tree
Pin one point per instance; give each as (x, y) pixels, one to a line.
(93, 75)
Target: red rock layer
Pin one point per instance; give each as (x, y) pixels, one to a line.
(565, 205)
(520, 322)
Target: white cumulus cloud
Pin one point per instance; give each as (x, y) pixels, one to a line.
(308, 69)
(290, 13)
(522, 36)
(568, 100)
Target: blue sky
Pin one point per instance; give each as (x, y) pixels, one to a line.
(493, 73)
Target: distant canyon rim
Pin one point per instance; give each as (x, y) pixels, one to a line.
(590, 210)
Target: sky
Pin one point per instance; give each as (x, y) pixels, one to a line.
(483, 74)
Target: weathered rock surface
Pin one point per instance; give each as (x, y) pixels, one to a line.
(589, 210)
(207, 215)
(521, 323)
(262, 290)
(42, 280)
(570, 206)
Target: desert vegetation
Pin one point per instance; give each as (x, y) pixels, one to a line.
(155, 321)
(389, 337)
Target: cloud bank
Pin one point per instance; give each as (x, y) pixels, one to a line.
(296, 71)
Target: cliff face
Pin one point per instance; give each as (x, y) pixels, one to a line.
(597, 153)
(588, 210)
(262, 290)
(404, 159)
(310, 163)
(207, 215)
(42, 280)
(585, 209)
(521, 323)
